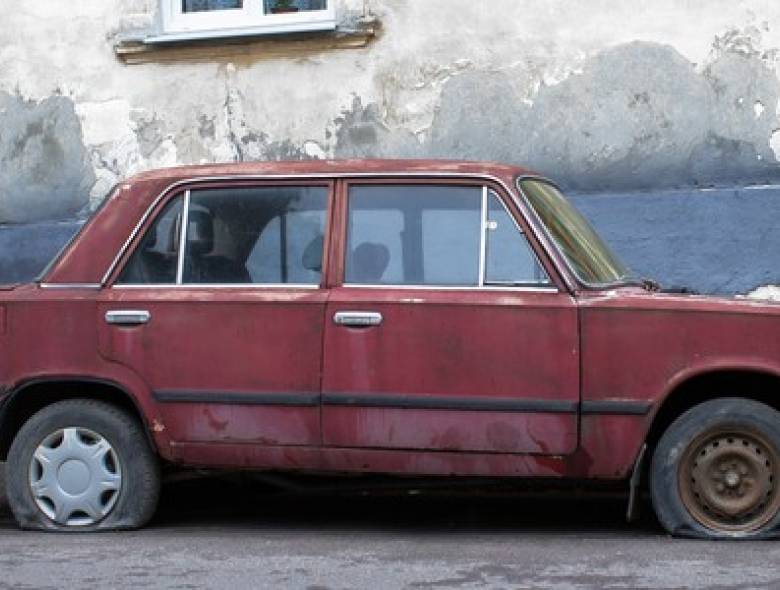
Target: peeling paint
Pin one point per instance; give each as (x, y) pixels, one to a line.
(361, 133)
(44, 167)
(767, 293)
(639, 116)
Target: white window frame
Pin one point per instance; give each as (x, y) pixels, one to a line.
(177, 25)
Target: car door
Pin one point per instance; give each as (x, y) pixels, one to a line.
(446, 332)
(224, 320)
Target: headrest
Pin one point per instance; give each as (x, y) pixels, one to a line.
(312, 255)
(200, 233)
(150, 239)
(370, 262)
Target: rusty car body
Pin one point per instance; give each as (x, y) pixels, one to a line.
(557, 377)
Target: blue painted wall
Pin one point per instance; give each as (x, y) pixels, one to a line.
(26, 249)
(715, 241)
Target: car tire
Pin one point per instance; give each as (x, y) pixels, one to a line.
(715, 472)
(82, 465)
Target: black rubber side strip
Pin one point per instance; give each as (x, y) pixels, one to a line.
(406, 402)
(616, 408)
(473, 404)
(303, 400)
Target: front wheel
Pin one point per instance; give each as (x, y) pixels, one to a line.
(716, 470)
(81, 465)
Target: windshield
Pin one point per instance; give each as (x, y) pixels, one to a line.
(587, 254)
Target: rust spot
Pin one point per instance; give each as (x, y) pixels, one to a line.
(214, 423)
(505, 437)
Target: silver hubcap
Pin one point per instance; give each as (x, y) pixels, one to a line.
(75, 477)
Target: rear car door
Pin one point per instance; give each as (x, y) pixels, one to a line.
(224, 320)
(445, 331)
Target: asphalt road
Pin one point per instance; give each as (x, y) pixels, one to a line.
(228, 534)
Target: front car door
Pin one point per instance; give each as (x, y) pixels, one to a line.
(224, 320)
(445, 332)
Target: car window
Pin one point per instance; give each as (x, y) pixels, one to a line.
(413, 235)
(588, 255)
(263, 235)
(436, 236)
(509, 259)
(269, 235)
(155, 260)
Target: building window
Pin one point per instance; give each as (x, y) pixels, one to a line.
(191, 19)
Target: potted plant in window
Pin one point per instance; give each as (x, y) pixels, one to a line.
(283, 7)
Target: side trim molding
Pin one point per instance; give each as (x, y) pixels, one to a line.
(404, 402)
(616, 408)
(304, 400)
(473, 404)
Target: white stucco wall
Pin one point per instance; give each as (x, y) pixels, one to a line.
(135, 117)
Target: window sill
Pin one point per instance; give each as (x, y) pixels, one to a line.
(245, 44)
(237, 33)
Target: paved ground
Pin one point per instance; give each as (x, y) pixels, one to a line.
(222, 534)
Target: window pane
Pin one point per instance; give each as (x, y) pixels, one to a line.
(414, 235)
(156, 259)
(509, 258)
(284, 6)
(206, 5)
(256, 236)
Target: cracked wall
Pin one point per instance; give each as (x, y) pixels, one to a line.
(634, 99)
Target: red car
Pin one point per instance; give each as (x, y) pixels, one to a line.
(413, 318)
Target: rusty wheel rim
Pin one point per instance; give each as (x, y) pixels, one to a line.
(728, 480)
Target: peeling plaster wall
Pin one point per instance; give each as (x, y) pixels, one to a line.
(638, 100)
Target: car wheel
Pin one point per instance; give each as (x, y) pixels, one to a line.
(81, 465)
(715, 471)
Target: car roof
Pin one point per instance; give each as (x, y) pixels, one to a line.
(334, 167)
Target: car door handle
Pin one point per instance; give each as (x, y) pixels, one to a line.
(358, 319)
(128, 317)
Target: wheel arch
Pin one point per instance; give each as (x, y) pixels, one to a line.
(30, 396)
(757, 383)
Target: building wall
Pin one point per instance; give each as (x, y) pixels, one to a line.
(634, 105)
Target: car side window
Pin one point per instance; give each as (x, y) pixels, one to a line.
(267, 235)
(413, 235)
(155, 260)
(509, 260)
(429, 235)
(253, 235)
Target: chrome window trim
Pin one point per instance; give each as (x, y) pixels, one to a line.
(235, 286)
(185, 222)
(483, 236)
(95, 286)
(521, 203)
(486, 288)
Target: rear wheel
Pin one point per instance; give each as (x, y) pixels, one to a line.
(716, 470)
(82, 465)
